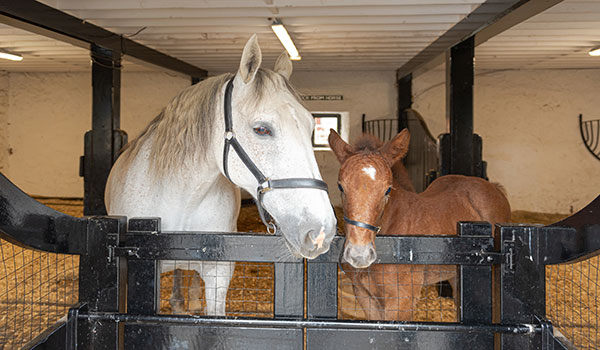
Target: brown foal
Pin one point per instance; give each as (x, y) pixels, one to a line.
(377, 192)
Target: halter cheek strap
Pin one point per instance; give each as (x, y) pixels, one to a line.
(264, 184)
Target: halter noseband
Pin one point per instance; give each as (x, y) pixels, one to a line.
(264, 183)
(375, 229)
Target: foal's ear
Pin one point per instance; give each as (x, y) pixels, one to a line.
(251, 59)
(340, 148)
(283, 65)
(396, 149)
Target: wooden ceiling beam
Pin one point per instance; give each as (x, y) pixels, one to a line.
(435, 53)
(45, 20)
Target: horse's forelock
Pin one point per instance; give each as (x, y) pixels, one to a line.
(368, 143)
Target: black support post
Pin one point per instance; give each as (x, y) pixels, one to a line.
(404, 100)
(459, 108)
(103, 142)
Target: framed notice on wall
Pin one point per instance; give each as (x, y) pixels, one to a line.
(323, 123)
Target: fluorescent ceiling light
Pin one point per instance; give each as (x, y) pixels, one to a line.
(10, 56)
(594, 52)
(285, 39)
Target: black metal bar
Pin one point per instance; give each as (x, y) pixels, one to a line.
(311, 323)
(100, 155)
(476, 286)
(142, 287)
(71, 330)
(404, 100)
(444, 250)
(459, 106)
(30, 224)
(350, 339)
(363, 123)
(51, 338)
(168, 337)
(322, 287)
(486, 21)
(289, 290)
(101, 280)
(522, 292)
(47, 20)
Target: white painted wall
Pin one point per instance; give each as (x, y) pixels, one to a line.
(3, 122)
(528, 122)
(50, 112)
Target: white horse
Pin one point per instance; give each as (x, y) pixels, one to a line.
(174, 169)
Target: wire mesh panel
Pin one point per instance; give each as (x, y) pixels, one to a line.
(250, 292)
(395, 292)
(573, 303)
(36, 290)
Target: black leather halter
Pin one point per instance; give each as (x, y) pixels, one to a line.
(362, 224)
(264, 183)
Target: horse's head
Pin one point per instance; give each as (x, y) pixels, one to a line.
(274, 128)
(365, 180)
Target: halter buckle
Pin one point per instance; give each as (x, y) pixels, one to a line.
(265, 186)
(229, 135)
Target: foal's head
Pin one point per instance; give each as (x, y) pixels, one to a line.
(365, 180)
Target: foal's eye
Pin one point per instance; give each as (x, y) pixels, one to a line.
(340, 187)
(262, 131)
(387, 193)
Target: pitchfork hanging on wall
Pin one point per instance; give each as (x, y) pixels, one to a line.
(590, 133)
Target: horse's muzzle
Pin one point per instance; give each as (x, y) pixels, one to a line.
(360, 256)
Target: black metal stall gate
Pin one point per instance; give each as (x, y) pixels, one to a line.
(502, 289)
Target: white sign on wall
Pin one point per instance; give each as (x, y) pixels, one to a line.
(323, 97)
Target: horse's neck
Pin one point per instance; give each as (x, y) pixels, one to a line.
(194, 198)
(401, 178)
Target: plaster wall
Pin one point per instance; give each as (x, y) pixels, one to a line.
(531, 141)
(50, 112)
(4, 149)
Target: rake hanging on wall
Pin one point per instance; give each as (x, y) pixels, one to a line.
(590, 133)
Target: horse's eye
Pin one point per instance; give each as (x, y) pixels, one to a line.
(387, 193)
(262, 131)
(340, 187)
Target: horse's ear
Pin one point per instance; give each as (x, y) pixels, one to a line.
(283, 65)
(340, 148)
(396, 149)
(251, 60)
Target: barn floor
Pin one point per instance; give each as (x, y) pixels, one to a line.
(37, 288)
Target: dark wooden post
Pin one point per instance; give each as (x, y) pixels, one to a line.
(404, 100)
(459, 108)
(103, 142)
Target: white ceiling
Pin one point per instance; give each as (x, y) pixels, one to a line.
(330, 34)
(559, 37)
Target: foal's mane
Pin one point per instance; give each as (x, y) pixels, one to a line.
(181, 133)
(367, 144)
